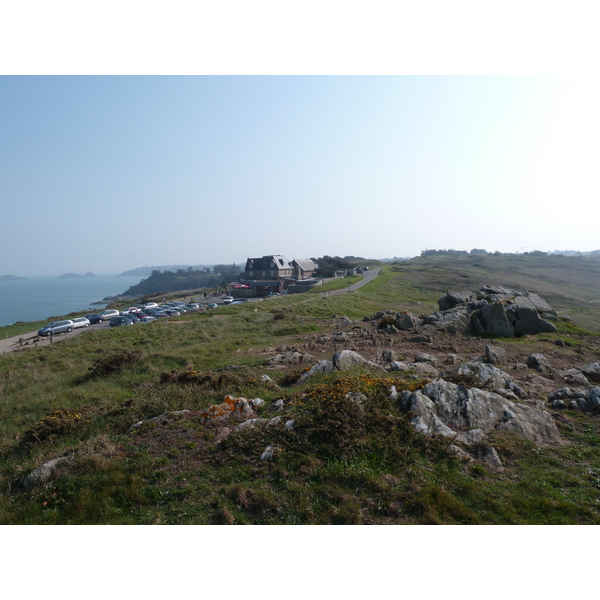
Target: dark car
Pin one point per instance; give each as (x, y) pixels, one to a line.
(131, 316)
(94, 319)
(120, 320)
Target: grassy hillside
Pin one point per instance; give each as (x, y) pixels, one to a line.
(80, 399)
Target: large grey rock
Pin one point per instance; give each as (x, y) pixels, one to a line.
(527, 321)
(494, 320)
(575, 377)
(406, 321)
(487, 376)
(443, 406)
(592, 371)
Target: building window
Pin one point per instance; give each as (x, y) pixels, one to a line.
(263, 273)
(250, 273)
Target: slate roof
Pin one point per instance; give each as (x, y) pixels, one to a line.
(271, 261)
(306, 264)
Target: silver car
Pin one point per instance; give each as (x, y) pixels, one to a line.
(56, 327)
(81, 322)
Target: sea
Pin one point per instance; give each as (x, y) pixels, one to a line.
(42, 298)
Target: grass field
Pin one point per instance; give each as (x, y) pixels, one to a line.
(78, 400)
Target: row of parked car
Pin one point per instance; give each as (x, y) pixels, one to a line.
(145, 313)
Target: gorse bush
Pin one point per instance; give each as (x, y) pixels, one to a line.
(114, 363)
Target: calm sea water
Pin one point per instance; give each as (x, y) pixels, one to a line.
(39, 298)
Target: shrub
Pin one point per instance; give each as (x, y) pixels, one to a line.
(114, 363)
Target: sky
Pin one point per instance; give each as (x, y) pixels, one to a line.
(104, 172)
(109, 173)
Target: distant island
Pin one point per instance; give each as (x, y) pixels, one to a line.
(10, 278)
(74, 275)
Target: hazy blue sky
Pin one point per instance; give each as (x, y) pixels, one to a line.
(111, 173)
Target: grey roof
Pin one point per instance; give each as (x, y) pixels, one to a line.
(306, 264)
(271, 261)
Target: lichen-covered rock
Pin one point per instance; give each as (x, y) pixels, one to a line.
(444, 407)
(420, 370)
(347, 359)
(487, 376)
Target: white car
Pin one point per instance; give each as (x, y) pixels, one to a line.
(150, 305)
(107, 314)
(81, 322)
(228, 299)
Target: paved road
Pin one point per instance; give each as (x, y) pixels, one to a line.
(32, 339)
(368, 276)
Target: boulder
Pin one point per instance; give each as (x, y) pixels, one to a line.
(575, 377)
(527, 321)
(592, 401)
(406, 321)
(487, 376)
(425, 370)
(540, 363)
(323, 368)
(495, 355)
(592, 371)
(347, 359)
(422, 357)
(42, 474)
(488, 454)
(446, 408)
(493, 321)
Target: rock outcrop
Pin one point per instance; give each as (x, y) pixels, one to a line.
(468, 414)
(491, 311)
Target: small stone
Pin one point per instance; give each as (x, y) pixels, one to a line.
(289, 425)
(540, 363)
(256, 402)
(422, 357)
(560, 343)
(489, 455)
(224, 433)
(495, 355)
(277, 405)
(267, 454)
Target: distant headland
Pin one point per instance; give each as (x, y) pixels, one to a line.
(10, 278)
(74, 275)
